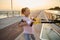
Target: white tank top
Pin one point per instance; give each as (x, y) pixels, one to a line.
(27, 29)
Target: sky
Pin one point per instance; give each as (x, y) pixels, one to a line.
(32, 4)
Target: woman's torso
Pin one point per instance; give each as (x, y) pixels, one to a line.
(27, 29)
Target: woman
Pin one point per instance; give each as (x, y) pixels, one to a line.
(26, 24)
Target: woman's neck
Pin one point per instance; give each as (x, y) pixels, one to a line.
(26, 16)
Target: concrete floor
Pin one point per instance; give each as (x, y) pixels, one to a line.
(37, 30)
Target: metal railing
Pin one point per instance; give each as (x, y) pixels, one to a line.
(5, 14)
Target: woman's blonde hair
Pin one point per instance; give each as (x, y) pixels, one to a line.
(23, 10)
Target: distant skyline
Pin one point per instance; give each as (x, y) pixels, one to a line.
(32, 4)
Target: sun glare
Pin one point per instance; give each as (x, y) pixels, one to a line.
(30, 3)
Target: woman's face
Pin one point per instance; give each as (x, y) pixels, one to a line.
(27, 12)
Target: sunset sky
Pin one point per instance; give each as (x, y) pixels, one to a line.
(32, 4)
